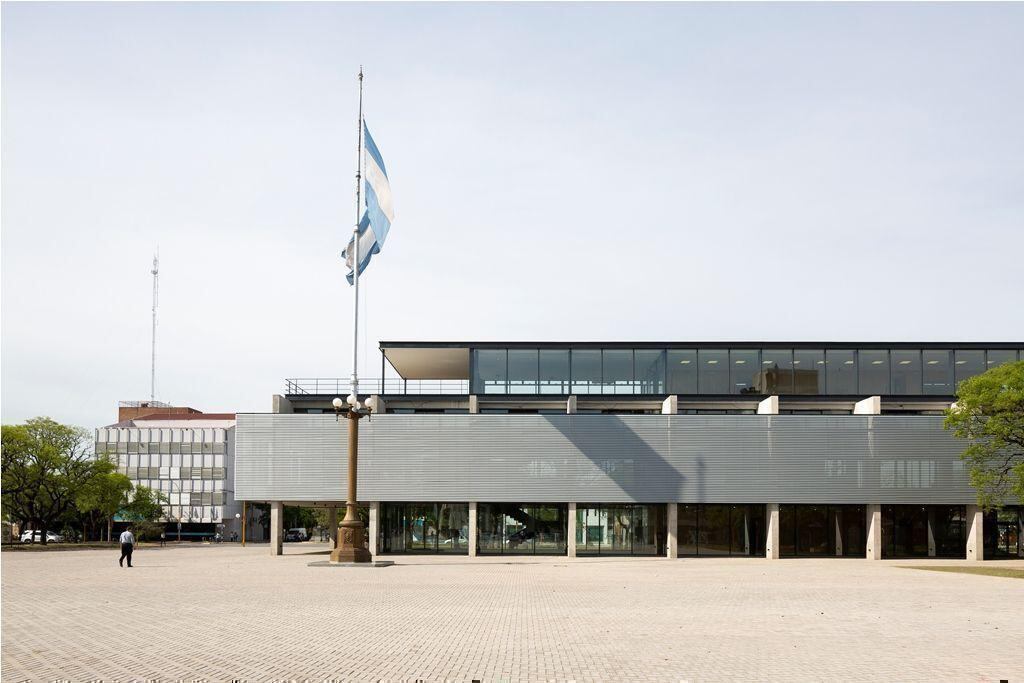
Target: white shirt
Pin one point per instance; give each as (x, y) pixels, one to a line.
(126, 537)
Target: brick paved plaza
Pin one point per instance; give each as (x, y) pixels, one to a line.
(219, 613)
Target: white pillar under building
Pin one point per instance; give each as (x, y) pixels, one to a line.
(975, 533)
(570, 540)
(276, 528)
(373, 529)
(472, 530)
(672, 539)
(670, 406)
(874, 526)
(872, 405)
(772, 537)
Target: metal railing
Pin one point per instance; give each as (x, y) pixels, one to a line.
(340, 386)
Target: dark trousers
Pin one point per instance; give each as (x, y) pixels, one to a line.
(126, 551)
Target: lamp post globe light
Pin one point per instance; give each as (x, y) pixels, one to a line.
(351, 543)
(238, 523)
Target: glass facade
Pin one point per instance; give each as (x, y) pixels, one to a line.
(424, 528)
(717, 530)
(620, 529)
(924, 531)
(1004, 533)
(822, 530)
(724, 371)
(521, 529)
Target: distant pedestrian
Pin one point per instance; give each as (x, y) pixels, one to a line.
(163, 538)
(127, 545)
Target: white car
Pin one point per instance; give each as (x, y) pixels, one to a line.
(37, 536)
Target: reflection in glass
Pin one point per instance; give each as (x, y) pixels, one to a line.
(776, 372)
(682, 371)
(649, 371)
(521, 529)
(687, 529)
(809, 371)
(713, 371)
(623, 529)
(822, 530)
(873, 372)
(424, 528)
(997, 357)
(554, 371)
(906, 372)
(618, 371)
(522, 371)
(967, 363)
(490, 371)
(743, 369)
(938, 372)
(841, 371)
(586, 371)
(904, 531)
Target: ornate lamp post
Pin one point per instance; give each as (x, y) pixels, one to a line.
(351, 545)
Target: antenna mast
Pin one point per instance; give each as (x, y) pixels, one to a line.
(156, 290)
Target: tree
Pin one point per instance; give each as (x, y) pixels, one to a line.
(45, 466)
(102, 497)
(143, 510)
(989, 413)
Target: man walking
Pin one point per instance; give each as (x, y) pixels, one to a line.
(127, 545)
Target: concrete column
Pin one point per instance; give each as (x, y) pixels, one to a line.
(874, 525)
(931, 531)
(332, 527)
(276, 528)
(872, 405)
(769, 406)
(570, 541)
(380, 406)
(670, 406)
(772, 537)
(279, 404)
(570, 405)
(472, 530)
(474, 404)
(374, 531)
(672, 540)
(975, 533)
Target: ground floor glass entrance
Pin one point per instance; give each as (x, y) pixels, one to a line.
(620, 529)
(822, 530)
(721, 529)
(424, 528)
(924, 531)
(521, 529)
(1004, 529)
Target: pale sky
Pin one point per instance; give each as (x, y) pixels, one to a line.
(560, 172)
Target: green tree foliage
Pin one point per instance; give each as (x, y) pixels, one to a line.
(45, 466)
(989, 413)
(143, 506)
(101, 498)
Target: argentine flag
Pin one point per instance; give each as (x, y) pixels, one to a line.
(376, 220)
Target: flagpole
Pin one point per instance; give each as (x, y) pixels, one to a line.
(355, 241)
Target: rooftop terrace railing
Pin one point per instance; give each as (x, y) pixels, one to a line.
(340, 386)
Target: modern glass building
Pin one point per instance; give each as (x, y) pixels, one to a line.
(761, 449)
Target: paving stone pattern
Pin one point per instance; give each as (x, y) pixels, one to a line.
(227, 613)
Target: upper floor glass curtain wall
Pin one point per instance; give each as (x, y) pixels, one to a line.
(721, 371)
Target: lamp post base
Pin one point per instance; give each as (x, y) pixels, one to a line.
(351, 546)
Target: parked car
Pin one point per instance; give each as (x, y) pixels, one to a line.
(293, 535)
(300, 532)
(37, 537)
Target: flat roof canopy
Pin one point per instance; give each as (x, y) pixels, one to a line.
(429, 363)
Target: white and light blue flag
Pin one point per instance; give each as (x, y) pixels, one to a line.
(378, 214)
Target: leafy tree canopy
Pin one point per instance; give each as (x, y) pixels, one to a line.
(989, 413)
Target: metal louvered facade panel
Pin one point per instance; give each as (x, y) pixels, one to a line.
(604, 458)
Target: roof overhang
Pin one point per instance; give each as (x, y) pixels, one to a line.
(413, 362)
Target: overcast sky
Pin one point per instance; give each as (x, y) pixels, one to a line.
(569, 172)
